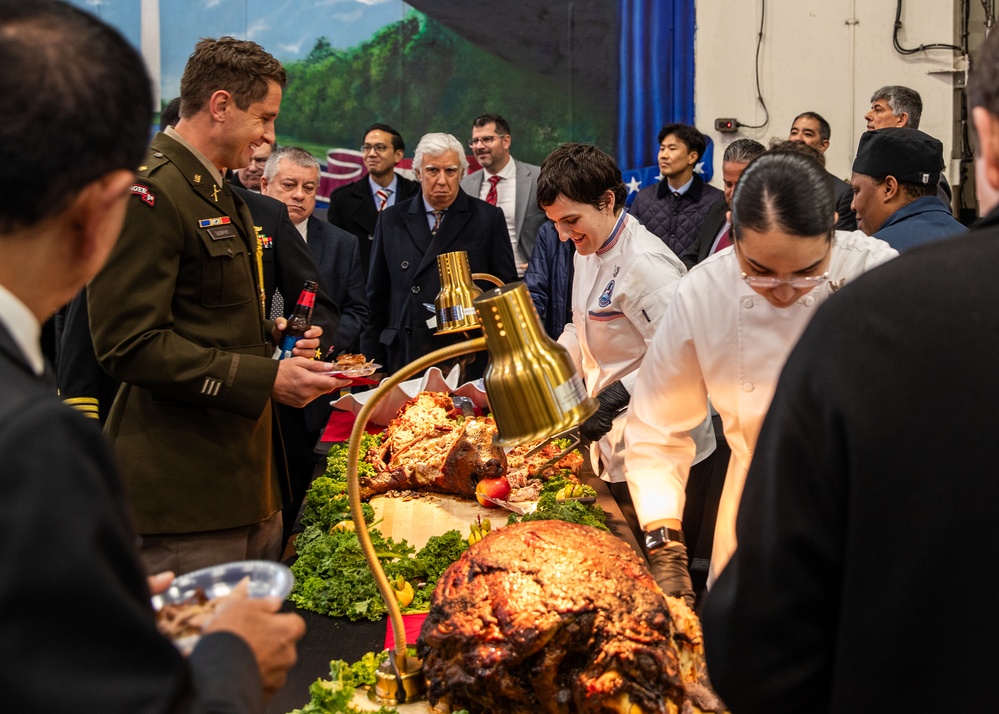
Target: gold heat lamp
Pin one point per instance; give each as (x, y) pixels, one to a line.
(454, 304)
(534, 392)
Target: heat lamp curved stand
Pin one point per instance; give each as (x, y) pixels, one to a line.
(534, 392)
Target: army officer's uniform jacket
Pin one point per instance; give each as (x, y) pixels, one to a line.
(176, 315)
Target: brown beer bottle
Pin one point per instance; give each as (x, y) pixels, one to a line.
(300, 320)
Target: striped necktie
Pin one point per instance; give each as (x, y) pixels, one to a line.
(492, 197)
(383, 195)
(438, 215)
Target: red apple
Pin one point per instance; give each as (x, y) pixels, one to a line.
(498, 488)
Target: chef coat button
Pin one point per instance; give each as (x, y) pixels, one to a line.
(408, 330)
(747, 386)
(747, 302)
(809, 300)
(415, 289)
(404, 265)
(158, 155)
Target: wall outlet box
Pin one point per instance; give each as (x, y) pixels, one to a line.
(725, 125)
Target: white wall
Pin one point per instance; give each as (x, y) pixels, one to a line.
(826, 56)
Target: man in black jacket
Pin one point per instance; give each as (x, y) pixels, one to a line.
(76, 603)
(674, 209)
(810, 128)
(403, 279)
(356, 206)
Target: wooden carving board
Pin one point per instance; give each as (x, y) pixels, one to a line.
(417, 518)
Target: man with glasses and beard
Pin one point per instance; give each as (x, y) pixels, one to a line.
(502, 181)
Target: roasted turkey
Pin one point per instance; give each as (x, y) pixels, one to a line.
(431, 446)
(554, 617)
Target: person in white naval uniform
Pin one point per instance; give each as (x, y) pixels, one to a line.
(624, 280)
(728, 331)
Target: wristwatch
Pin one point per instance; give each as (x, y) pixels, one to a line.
(661, 537)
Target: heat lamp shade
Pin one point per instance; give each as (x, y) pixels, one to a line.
(534, 390)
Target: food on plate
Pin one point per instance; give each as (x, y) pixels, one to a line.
(183, 619)
(555, 617)
(353, 365)
(431, 446)
(495, 488)
(350, 360)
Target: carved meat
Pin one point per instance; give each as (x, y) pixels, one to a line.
(429, 447)
(554, 617)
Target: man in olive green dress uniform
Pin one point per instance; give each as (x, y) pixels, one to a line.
(177, 315)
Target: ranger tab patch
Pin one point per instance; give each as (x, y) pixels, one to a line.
(209, 222)
(143, 193)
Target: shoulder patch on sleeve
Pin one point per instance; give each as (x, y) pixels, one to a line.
(144, 193)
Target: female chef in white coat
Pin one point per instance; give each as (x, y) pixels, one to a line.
(729, 328)
(624, 279)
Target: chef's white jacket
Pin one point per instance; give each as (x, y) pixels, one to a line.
(721, 339)
(619, 297)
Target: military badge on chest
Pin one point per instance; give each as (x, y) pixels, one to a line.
(608, 294)
(265, 241)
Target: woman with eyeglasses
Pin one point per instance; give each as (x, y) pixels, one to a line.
(727, 332)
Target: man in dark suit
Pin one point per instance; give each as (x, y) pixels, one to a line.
(714, 234)
(77, 602)
(403, 279)
(812, 129)
(502, 181)
(355, 207)
(292, 176)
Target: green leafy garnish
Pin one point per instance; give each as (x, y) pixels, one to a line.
(570, 511)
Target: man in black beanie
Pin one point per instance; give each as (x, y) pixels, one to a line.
(894, 182)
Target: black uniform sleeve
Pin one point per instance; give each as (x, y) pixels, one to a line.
(83, 383)
(76, 607)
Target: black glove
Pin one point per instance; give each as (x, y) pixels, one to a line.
(669, 569)
(613, 400)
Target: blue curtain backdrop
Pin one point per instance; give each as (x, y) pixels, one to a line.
(657, 82)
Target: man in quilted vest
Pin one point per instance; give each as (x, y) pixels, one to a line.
(674, 209)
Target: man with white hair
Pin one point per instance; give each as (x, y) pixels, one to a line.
(402, 277)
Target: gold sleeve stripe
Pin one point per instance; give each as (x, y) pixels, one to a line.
(82, 402)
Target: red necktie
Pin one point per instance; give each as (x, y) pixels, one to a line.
(725, 241)
(383, 195)
(491, 197)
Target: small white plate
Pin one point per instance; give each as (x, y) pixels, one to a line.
(361, 370)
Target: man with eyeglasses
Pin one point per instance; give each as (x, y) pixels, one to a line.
(506, 183)
(894, 183)
(248, 177)
(356, 206)
(403, 279)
